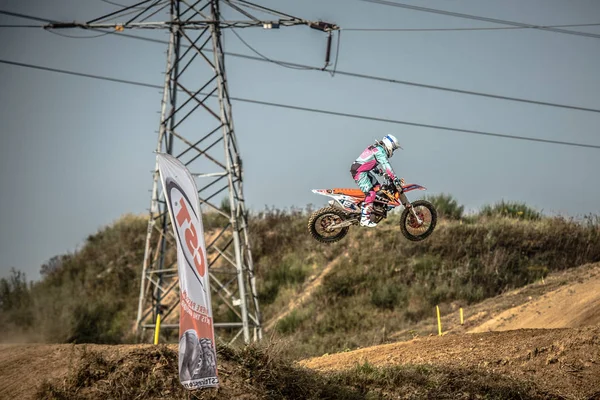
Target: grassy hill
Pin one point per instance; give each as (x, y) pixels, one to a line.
(377, 283)
(381, 283)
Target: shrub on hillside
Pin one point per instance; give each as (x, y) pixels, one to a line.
(387, 283)
(511, 209)
(446, 206)
(289, 271)
(87, 296)
(15, 302)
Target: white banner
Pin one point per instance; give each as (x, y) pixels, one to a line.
(197, 352)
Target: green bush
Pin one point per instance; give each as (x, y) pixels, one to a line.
(290, 323)
(446, 206)
(88, 296)
(289, 271)
(213, 220)
(342, 283)
(510, 209)
(15, 302)
(389, 296)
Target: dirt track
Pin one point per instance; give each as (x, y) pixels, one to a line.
(24, 367)
(565, 362)
(562, 362)
(574, 305)
(512, 341)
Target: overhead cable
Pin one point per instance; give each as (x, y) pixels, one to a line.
(117, 4)
(315, 110)
(20, 26)
(263, 58)
(486, 19)
(462, 29)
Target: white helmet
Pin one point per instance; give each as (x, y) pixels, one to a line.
(390, 143)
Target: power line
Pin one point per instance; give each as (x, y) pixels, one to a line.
(475, 17)
(21, 26)
(313, 110)
(265, 58)
(397, 29)
(31, 17)
(345, 29)
(461, 29)
(136, 5)
(257, 7)
(337, 53)
(117, 4)
(387, 80)
(79, 37)
(62, 71)
(357, 75)
(134, 10)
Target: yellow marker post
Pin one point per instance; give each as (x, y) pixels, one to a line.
(462, 320)
(437, 308)
(157, 329)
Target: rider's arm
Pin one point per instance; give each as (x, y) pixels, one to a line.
(384, 163)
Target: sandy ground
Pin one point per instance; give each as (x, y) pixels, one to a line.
(574, 305)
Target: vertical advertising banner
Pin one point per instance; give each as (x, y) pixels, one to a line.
(197, 352)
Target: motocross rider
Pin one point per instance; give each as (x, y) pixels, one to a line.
(374, 159)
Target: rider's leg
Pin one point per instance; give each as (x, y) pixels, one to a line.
(365, 183)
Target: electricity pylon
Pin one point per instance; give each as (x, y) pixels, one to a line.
(196, 126)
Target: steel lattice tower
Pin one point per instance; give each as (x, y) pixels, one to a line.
(182, 98)
(196, 126)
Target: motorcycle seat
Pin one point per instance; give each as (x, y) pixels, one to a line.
(350, 192)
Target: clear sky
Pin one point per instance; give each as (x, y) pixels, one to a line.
(76, 153)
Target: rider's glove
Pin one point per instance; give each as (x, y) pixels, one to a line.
(399, 183)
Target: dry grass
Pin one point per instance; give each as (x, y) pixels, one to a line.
(261, 372)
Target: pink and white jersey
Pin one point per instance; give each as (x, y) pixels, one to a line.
(370, 158)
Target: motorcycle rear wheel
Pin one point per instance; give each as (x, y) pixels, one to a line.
(409, 225)
(324, 217)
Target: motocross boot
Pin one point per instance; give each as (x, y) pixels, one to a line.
(365, 218)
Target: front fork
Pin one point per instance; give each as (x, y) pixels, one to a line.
(406, 204)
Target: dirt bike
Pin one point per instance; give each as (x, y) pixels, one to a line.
(330, 224)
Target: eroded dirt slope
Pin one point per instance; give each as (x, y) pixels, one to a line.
(563, 362)
(573, 305)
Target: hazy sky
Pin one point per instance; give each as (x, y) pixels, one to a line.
(76, 153)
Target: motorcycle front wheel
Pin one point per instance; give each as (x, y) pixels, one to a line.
(320, 221)
(410, 226)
